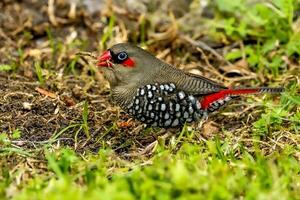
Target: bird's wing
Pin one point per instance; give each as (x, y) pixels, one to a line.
(191, 83)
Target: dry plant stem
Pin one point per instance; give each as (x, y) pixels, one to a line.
(204, 46)
(51, 13)
(83, 53)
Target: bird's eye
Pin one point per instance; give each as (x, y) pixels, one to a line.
(122, 56)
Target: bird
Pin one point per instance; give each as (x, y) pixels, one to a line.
(159, 94)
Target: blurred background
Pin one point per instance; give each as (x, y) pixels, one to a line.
(220, 35)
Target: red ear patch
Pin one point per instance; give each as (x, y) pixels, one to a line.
(128, 62)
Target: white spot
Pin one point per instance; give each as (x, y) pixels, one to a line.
(152, 115)
(150, 107)
(148, 87)
(189, 119)
(150, 94)
(192, 98)
(143, 119)
(137, 101)
(191, 110)
(175, 122)
(167, 115)
(159, 99)
(172, 85)
(130, 105)
(166, 87)
(140, 111)
(177, 107)
(136, 107)
(171, 105)
(181, 95)
(221, 101)
(178, 114)
(154, 88)
(168, 122)
(227, 98)
(154, 124)
(161, 115)
(161, 87)
(198, 105)
(215, 105)
(185, 114)
(163, 107)
(142, 92)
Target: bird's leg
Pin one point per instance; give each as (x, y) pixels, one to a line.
(202, 121)
(138, 129)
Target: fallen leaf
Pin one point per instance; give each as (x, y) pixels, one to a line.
(68, 101)
(125, 124)
(45, 92)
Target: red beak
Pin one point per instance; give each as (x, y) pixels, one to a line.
(103, 60)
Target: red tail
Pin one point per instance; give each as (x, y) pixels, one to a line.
(207, 100)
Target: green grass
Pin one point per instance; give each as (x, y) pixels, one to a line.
(264, 164)
(196, 171)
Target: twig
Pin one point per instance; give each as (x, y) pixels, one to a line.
(204, 46)
(84, 53)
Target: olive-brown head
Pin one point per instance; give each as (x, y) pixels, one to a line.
(124, 63)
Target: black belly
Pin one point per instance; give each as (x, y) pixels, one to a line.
(164, 106)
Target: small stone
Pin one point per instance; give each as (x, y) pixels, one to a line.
(27, 105)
